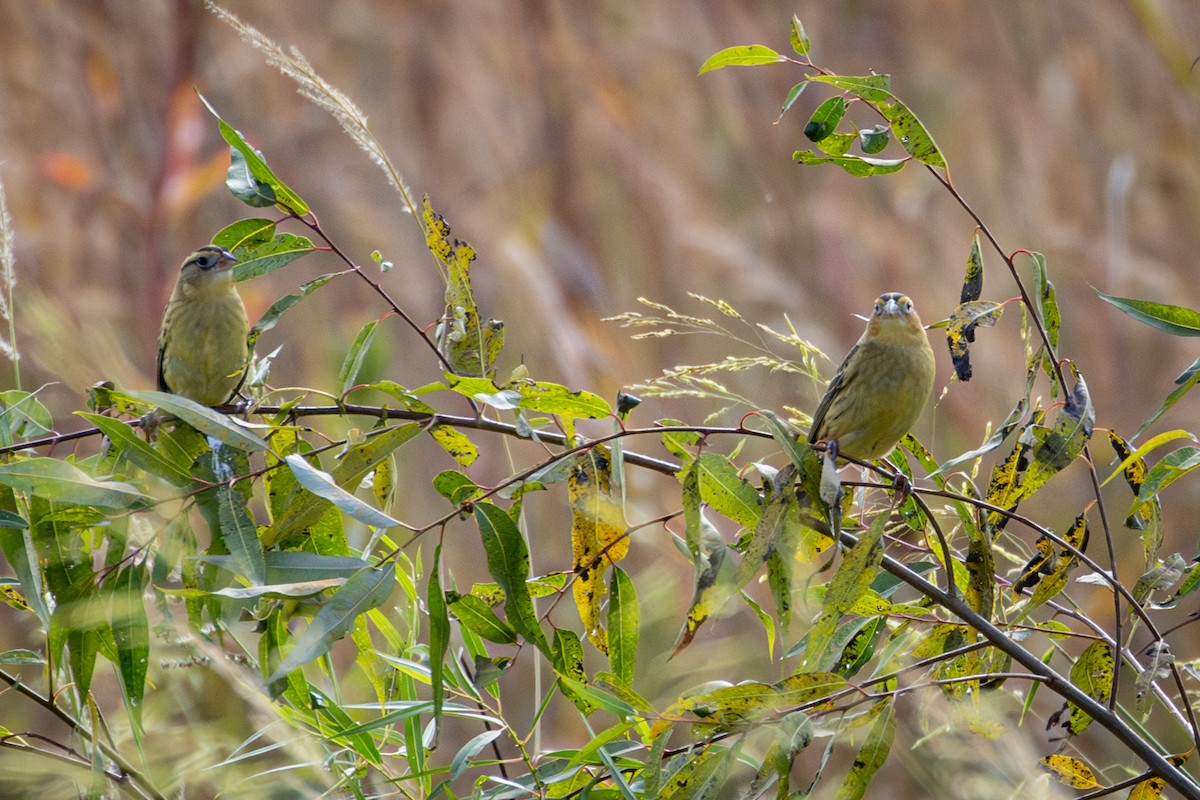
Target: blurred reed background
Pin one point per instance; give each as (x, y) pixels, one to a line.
(576, 148)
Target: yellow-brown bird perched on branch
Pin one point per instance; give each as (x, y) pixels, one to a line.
(202, 346)
(881, 388)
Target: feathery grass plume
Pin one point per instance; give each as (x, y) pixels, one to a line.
(694, 380)
(326, 96)
(8, 280)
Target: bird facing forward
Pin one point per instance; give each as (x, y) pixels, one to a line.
(202, 349)
(881, 387)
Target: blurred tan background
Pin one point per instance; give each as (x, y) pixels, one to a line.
(576, 148)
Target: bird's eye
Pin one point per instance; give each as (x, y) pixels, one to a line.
(908, 306)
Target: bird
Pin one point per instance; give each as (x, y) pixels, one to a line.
(882, 385)
(202, 345)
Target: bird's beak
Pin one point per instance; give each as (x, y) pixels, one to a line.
(891, 308)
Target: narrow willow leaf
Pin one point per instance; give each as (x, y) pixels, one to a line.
(130, 445)
(62, 482)
(800, 42)
(567, 658)
(873, 754)
(726, 492)
(792, 96)
(439, 640)
(597, 535)
(741, 56)
(366, 589)
(1175, 320)
(858, 166)
(972, 288)
(853, 578)
(508, 562)
(1185, 382)
(251, 175)
(623, 627)
(275, 254)
(272, 315)
(1070, 771)
(240, 534)
(1092, 673)
(469, 344)
(352, 363)
(301, 509)
(131, 635)
(204, 419)
(478, 616)
(699, 776)
(323, 485)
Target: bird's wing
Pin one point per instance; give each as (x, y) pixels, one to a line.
(831, 392)
(162, 347)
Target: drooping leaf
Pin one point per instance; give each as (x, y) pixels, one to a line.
(62, 482)
(352, 363)
(623, 628)
(858, 166)
(800, 42)
(597, 535)
(854, 576)
(508, 562)
(873, 754)
(960, 333)
(131, 635)
(366, 589)
(324, 485)
(204, 419)
(1092, 673)
(439, 639)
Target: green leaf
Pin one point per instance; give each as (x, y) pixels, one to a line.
(270, 317)
(352, 364)
(240, 533)
(825, 119)
(439, 640)
(792, 96)
(323, 485)
(873, 754)
(478, 616)
(800, 42)
(741, 56)
(245, 233)
(873, 140)
(270, 256)
(858, 166)
(909, 131)
(204, 419)
(1185, 382)
(1175, 320)
(296, 566)
(622, 625)
(508, 562)
(1092, 673)
(304, 509)
(130, 445)
(250, 179)
(62, 482)
(727, 492)
(131, 635)
(366, 589)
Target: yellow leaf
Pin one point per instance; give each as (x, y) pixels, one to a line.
(597, 535)
(1070, 771)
